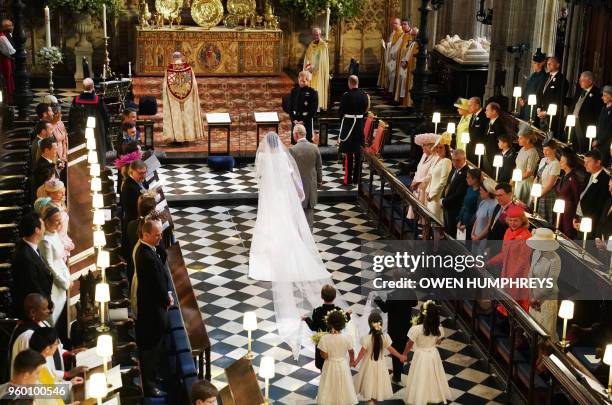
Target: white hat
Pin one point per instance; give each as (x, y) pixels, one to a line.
(50, 99)
(543, 239)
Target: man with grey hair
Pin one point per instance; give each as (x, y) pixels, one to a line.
(308, 159)
(586, 108)
(302, 105)
(456, 187)
(316, 61)
(85, 105)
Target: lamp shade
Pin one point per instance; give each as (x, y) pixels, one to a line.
(436, 118)
(97, 386)
(532, 99)
(607, 357)
(91, 122)
(517, 92)
(249, 321)
(465, 137)
(536, 190)
(591, 132)
(552, 109)
(266, 367)
(94, 169)
(103, 259)
(89, 133)
(97, 200)
(1, 99)
(517, 175)
(91, 143)
(498, 161)
(92, 157)
(570, 121)
(559, 206)
(96, 184)
(566, 309)
(98, 217)
(104, 346)
(102, 292)
(479, 150)
(586, 225)
(99, 240)
(451, 128)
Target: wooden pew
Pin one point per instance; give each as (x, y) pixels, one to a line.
(242, 387)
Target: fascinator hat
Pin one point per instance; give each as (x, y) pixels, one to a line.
(424, 139)
(444, 139)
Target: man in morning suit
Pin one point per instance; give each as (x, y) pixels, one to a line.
(46, 161)
(506, 145)
(132, 188)
(452, 196)
(586, 108)
(353, 106)
(29, 271)
(303, 104)
(154, 297)
(478, 125)
(495, 128)
(498, 226)
(596, 192)
(308, 160)
(553, 92)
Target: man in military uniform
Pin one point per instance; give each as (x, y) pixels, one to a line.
(89, 104)
(303, 104)
(353, 105)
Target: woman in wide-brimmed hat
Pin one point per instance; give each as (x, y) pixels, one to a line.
(421, 176)
(545, 263)
(56, 190)
(463, 108)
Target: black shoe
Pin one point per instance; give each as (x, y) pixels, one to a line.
(156, 393)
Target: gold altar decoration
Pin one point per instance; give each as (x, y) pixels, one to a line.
(169, 9)
(219, 51)
(241, 8)
(207, 13)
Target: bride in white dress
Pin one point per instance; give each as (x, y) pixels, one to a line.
(283, 250)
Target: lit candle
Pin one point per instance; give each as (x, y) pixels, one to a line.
(531, 101)
(104, 20)
(586, 226)
(570, 122)
(436, 118)
(559, 208)
(0, 96)
(451, 128)
(551, 112)
(591, 133)
(48, 26)
(479, 151)
(130, 68)
(465, 138)
(516, 94)
(536, 192)
(498, 161)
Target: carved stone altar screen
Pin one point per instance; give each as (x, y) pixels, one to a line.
(219, 51)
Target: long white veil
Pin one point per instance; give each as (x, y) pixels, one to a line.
(283, 249)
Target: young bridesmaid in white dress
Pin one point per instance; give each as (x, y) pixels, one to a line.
(373, 382)
(336, 384)
(426, 379)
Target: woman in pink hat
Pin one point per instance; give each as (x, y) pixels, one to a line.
(422, 176)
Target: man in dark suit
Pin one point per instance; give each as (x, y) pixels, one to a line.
(596, 192)
(308, 160)
(454, 192)
(495, 128)
(303, 104)
(132, 188)
(354, 104)
(45, 163)
(553, 92)
(604, 125)
(42, 130)
(30, 273)
(506, 145)
(586, 107)
(154, 297)
(498, 226)
(478, 125)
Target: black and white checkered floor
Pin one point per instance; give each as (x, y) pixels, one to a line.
(215, 243)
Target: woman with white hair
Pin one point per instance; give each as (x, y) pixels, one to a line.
(422, 177)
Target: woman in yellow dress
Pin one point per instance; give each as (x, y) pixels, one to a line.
(463, 109)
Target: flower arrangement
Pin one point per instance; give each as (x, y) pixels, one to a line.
(317, 337)
(91, 7)
(312, 8)
(419, 318)
(346, 320)
(50, 55)
(377, 327)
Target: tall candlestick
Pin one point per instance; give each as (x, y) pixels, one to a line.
(48, 26)
(327, 23)
(104, 20)
(130, 68)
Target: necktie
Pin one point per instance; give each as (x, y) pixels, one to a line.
(578, 105)
(548, 82)
(587, 186)
(38, 252)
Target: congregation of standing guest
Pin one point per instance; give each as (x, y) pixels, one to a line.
(527, 162)
(569, 189)
(547, 175)
(586, 108)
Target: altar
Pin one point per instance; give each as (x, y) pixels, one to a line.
(219, 51)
